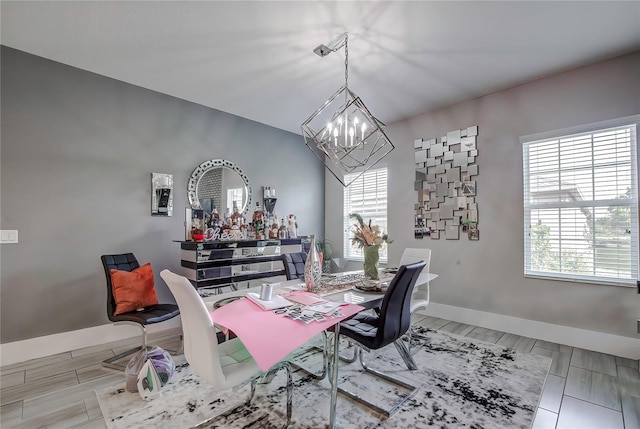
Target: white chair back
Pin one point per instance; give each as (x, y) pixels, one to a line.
(200, 340)
(410, 256)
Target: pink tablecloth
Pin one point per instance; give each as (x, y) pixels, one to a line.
(270, 337)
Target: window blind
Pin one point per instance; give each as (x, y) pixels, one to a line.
(367, 196)
(581, 206)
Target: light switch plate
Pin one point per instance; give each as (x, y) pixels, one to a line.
(9, 236)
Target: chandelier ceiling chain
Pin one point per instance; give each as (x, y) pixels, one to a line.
(348, 140)
(346, 60)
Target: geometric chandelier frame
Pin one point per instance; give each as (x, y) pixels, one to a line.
(342, 132)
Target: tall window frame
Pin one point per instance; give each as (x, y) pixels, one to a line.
(367, 196)
(581, 203)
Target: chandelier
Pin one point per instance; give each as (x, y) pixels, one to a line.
(342, 133)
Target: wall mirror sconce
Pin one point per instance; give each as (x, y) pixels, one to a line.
(269, 198)
(161, 194)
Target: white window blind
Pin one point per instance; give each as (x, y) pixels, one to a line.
(581, 206)
(367, 196)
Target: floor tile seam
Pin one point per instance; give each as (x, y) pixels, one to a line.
(47, 392)
(75, 370)
(66, 371)
(498, 340)
(43, 379)
(10, 371)
(598, 372)
(65, 403)
(551, 411)
(593, 403)
(14, 385)
(37, 362)
(14, 402)
(625, 394)
(60, 409)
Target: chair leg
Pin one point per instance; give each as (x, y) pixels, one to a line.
(253, 391)
(289, 394)
(325, 359)
(181, 347)
(207, 423)
(111, 362)
(355, 354)
(269, 375)
(405, 354)
(387, 413)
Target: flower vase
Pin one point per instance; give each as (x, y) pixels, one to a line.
(371, 258)
(312, 268)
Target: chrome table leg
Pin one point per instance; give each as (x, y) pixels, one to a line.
(334, 376)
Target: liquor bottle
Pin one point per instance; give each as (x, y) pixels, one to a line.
(258, 214)
(225, 229)
(283, 233)
(312, 268)
(251, 232)
(243, 228)
(258, 222)
(273, 229)
(214, 218)
(235, 215)
(293, 226)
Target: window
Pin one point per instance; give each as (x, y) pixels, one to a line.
(234, 199)
(367, 195)
(581, 205)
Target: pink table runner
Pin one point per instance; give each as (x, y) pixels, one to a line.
(270, 337)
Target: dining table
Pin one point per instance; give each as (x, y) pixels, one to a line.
(270, 336)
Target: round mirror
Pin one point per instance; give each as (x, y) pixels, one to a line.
(221, 185)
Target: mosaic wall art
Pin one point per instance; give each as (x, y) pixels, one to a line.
(446, 172)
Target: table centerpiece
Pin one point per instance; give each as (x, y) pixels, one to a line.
(369, 238)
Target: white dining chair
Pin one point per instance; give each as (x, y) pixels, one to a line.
(420, 297)
(421, 294)
(225, 365)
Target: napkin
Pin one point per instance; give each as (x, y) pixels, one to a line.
(276, 301)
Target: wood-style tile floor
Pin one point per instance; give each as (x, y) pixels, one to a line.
(584, 389)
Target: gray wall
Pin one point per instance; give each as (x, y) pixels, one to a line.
(77, 153)
(487, 275)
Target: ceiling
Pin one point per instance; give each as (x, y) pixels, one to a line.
(255, 59)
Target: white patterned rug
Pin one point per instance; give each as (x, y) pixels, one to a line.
(462, 383)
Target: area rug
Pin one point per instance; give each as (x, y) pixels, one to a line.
(462, 383)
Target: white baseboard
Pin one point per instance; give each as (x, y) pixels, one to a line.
(597, 341)
(20, 351)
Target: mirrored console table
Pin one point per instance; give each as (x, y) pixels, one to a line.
(214, 265)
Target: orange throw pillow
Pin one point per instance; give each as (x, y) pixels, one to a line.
(133, 289)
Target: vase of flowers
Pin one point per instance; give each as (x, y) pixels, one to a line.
(371, 258)
(369, 238)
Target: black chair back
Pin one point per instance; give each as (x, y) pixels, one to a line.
(123, 262)
(395, 314)
(294, 265)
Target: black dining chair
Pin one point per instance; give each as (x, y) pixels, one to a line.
(374, 331)
(142, 317)
(294, 265)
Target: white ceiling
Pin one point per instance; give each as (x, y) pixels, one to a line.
(255, 59)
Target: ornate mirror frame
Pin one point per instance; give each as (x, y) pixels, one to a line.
(202, 169)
